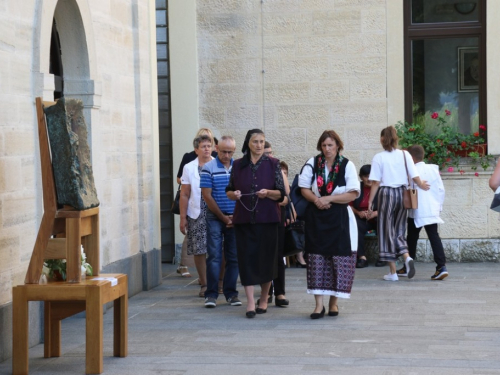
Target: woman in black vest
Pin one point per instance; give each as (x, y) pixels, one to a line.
(329, 182)
(364, 221)
(256, 183)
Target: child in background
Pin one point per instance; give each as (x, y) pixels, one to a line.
(430, 204)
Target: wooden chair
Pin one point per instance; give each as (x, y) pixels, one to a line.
(61, 233)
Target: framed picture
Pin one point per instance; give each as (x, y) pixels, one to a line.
(468, 69)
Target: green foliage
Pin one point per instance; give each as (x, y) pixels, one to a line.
(444, 145)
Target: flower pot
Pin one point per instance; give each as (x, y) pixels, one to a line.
(479, 148)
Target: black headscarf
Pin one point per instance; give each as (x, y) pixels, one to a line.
(251, 132)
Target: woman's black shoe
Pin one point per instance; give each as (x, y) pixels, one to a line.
(258, 310)
(250, 314)
(380, 263)
(361, 263)
(300, 265)
(281, 302)
(333, 313)
(269, 300)
(318, 315)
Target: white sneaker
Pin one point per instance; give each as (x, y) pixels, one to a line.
(410, 267)
(391, 277)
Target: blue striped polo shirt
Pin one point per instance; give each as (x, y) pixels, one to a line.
(215, 176)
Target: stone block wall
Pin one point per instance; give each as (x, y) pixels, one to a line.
(294, 68)
(297, 67)
(120, 118)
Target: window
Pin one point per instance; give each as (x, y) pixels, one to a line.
(445, 62)
(56, 67)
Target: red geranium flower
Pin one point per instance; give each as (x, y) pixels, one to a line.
(329, 187)
(439, 141)
(462, 171)
(476, 134)
(448, 113)
(482, 127)
(411, 129)
(435, 115)
(320, 181)
(464, 144)
(476, 174)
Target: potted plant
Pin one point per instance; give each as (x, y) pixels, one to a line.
(446, 145)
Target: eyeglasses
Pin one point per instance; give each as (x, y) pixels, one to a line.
(226, 152)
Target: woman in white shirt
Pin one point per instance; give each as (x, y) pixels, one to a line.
(193, 208)
(389, 173)
(329, 182)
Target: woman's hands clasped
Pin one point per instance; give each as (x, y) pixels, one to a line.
(323, 203)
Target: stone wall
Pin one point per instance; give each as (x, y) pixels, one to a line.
(297, 67)
(116, 87)
(294, 68)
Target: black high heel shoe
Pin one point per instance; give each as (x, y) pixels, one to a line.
(318, 315)
(300, 265)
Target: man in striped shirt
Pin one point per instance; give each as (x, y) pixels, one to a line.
(214, 178)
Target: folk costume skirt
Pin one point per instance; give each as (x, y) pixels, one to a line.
(391, 224)
(257, 248)
(331, 261)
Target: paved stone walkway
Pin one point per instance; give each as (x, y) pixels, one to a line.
(414, 326)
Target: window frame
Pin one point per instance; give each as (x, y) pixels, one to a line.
(443, 30)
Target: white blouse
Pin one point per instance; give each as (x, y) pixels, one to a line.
(352, 184)
(389, 168)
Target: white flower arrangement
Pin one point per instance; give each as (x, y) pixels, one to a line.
(53, 268)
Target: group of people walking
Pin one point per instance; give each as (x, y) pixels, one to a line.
(233, 216)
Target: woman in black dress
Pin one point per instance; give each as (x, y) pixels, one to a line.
(256, 183)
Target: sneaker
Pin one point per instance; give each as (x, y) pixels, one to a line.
(210, 302)
(410, 267)
(234, 301)
(402, 272)
(441, 273)
(391, 277)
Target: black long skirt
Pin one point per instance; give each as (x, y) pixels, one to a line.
(257, 247)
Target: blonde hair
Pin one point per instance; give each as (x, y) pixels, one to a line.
(206, 131)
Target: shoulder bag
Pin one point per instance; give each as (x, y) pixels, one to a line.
(175, 209)
(410, 197)
(295, 236)
(495, 205)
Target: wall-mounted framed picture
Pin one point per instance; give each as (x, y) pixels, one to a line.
(468, 69)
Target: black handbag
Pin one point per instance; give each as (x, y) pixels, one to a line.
(495, 204)
(175, 209)
(295, 237)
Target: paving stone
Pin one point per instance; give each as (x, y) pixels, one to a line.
(416, 326)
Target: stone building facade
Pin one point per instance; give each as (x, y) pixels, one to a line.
(297, 67)
(107, 48)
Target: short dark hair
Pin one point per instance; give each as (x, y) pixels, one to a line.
(284, 166)
(389, 138)
(365, 170)
(200, 139)
(417, 152)
(267, 145)
(330, 134)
